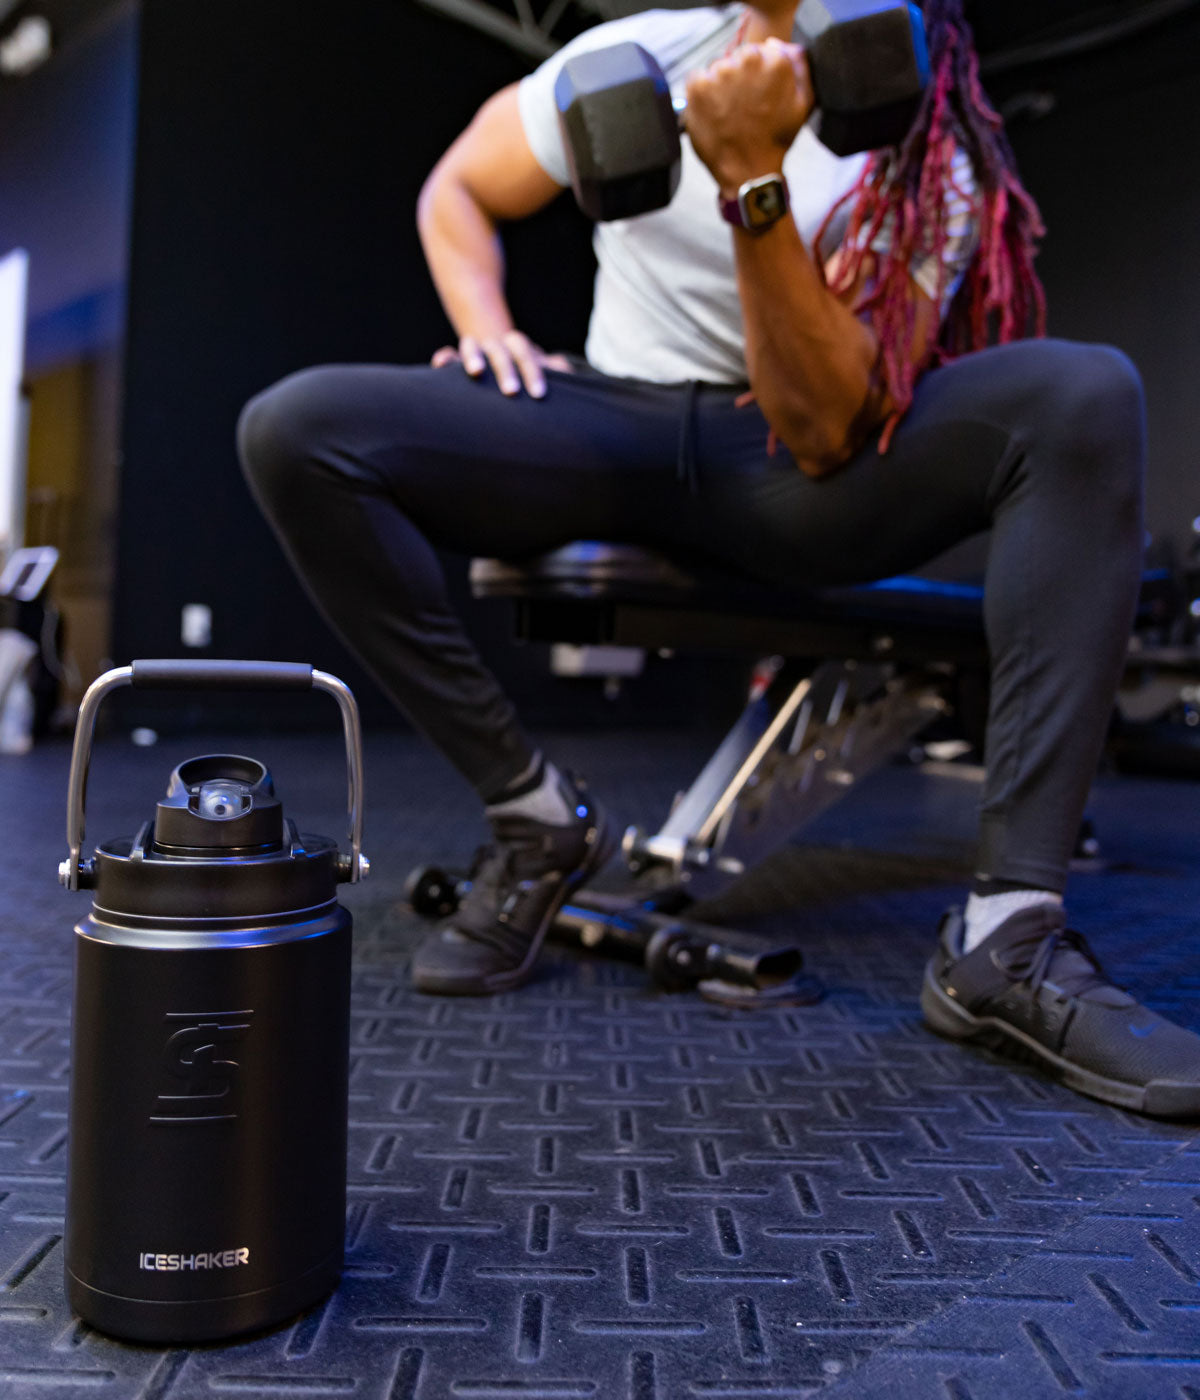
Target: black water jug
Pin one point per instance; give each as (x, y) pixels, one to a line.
(206, 1184)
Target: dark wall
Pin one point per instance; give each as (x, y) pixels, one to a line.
(1116, 170)
(281, 146)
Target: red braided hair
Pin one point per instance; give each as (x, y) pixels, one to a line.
(904, 190)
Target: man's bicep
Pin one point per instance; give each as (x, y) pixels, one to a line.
(494, 162)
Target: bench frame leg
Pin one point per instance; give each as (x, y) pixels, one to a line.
(797, 748)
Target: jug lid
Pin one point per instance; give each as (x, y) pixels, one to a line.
(216, 805)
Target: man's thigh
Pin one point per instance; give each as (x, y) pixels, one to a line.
(477, 471)
(877, 515)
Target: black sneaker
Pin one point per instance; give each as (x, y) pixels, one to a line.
(1034, 989)
(517, 884)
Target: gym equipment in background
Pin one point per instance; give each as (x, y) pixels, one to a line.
(867, 62)
(29, 627)
(1157, 725)
(207, 1176)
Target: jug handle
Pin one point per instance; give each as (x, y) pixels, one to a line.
(208, 674)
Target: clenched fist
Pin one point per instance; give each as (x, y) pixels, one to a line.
(745, 110)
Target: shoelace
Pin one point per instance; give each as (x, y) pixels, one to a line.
(1033, 964)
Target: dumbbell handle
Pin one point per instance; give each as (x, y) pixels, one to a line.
(680, 103)
(801, 41)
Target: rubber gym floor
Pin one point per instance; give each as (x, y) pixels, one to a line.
(589, 1188)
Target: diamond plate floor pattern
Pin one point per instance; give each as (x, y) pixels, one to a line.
(588, 1189)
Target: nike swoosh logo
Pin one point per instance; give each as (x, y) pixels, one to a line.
(1142, 1031)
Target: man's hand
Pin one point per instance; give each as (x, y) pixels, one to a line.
(514, 358)
(744, 111)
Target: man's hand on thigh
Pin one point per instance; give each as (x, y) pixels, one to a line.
(514, 359)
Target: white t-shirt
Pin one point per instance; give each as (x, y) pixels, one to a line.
(666, 305)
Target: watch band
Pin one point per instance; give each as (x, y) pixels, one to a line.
(758, 204)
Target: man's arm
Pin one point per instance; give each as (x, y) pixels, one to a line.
(487, 176)
(812, 361)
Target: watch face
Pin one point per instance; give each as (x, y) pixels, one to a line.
(764, 204)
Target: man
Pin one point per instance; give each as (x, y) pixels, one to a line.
(761, 398)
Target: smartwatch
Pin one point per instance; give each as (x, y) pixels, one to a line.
(758, 204)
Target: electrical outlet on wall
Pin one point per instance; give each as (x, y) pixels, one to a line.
(195, 625)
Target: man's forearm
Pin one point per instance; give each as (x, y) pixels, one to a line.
(811, 360)
(465, 256)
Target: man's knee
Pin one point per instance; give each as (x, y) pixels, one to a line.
(1085, 421)
(1101, 398)
(1099, 406)
(280, 430)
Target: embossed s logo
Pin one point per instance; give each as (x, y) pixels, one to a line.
(203, 1075)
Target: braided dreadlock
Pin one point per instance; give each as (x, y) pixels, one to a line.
(904, 191)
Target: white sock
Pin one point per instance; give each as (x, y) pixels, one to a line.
(986, 912)
(546, 803)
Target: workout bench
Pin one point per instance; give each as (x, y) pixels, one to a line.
(866, 669)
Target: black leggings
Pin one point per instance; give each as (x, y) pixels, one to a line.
(362, 469)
